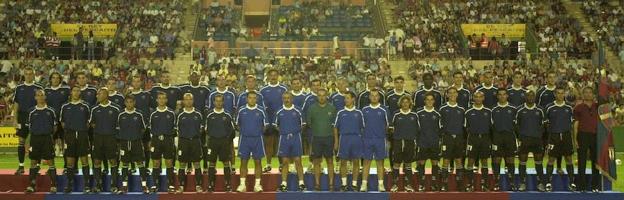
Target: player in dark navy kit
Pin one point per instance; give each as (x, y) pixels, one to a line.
(374, 139)
(162, 127)
(463, 95)
(319, 119)
(229, 98)
(190, 125)
(516, 92)
(503, 139)
(173, 92)
(348, 128)
(289, 123)
(427, 87)
(546, 94)
(478, 123)
(103, 121)
(143, 104)
(530, 121)
(131, 125)
(393, 96)
(114, 95)
(200, 93)
(272, 93)
(252, 123)
(57, 94)
(42, 122)
(404, 129)
(453, 147)
(23, 101)
(89, 93)
(363, 99)
(428, 145)
(220, 131)
(74, 118)
(488, 89)
(560, 118)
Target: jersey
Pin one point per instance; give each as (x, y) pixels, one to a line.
(162, 122)
(200, 94)
(376, 120)
(298, 98)
(118, 99)
(464, 97)
(75, 116)
(173, 95)
(89, 95)
(142, 102)
(429, 123)
(503, 118)
(419, 98)
(229, 100)
(242, 100)
(320, 119)
(190, 124)
(349, 121)
(405, 125)
(131, 125)
(560, 117)
(516, 96)
(272, 96)
(545, 96)
(56, 97)
(41, 120)
(104, 119)
(452, 119)
(392, 100)
(530, 121)
(478, 120)
(219, 124)
(289, 120)
(363, 99)
(309, 101)
(25, 96)
(489, 94)
(251, 121)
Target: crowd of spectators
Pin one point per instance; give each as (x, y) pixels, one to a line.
(608, 19)
(220, 22)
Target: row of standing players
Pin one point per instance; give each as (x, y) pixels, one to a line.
(447, 130)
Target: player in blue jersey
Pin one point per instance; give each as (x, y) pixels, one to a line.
(161, 124)
(57, 94)
(42, 122)
(298, 92)
(348, 128)
(374, 139)
(503, 139)
(190, 125)
(89, 93)
(560, 117)
(220, 132)
(173, 93)
(74, 118)
(143, 104)
(337, 98)
(546, 94)
(488, 89)
(200, 93)
(463, 94)
(478, 122)
(393, 96)
(453, 140)
(229, 98)
(516, 92)
(250, 85)
(404, 129)
(363, 99)
(530, 121)
(131, 126)
(252, 123)
(427, 87)
(428, 145)
(272, 93)
(23, 102)
(289, 122)
(103, 121)
(114, 95)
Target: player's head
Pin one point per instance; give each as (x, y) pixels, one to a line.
(374, 96)
(250, 83)
(221, 82)
(296, 84)
(399, 82)
(287, 99)
(315, 85)
(488, 77)
(477, 98)
(349, 99)
(29, 75)
(75, 93)
(342, 84)
(165, 78)
(588, 94)
(502, 95)
(40, 97)
(102, 95)
(194, 78)
(371, 80)
(55, 79)
(517, 78)
(322, 96)
(161, 99)
(530, 97)
(458, 78)
(187, 100)
(129, 102)
(273, 76)
(560, 94)
(429, 100)
(111, 84)
(252, 96)
(551, 78)
(405, 102)
(136, 82)
(451, 94)
(218, 101)
(81, 78)
(427, 80)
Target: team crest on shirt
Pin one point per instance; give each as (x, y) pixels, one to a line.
(509, 111)
(81, 108)
(195, 118)
(537, 112)
(110, 112)
(257, 114)
(412, 118)
(294, 114)
(48, 113)
(379, 113)
(223, 118)
(485, 114)
(143, 97)
(434, 117)
(136, 118)
(168, 116)
(123, 117)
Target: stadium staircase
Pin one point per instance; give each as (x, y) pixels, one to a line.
(183, 60)
(387, 10)
(576, 10)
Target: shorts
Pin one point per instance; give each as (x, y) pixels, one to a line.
(189, 150)
(560, 144)
(163, 146)
(271, 130)
(77, 143)
(290, 145)
(350, 147)
(453, 147)
(105, 147)
(131, 151)
(251, 147)
(504, 145)
(531, 144)
(22, 125)
(403, 151)
(322, 147)
(427, 153)
(478, 146)
(374, 149)
(220, 148)
(41, 147)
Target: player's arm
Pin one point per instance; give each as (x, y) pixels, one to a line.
(574, 134)
(336, 139)
(16, 113)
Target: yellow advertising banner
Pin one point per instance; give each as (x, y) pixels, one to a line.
(510, 30)
(99, 30)
(8, 138)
